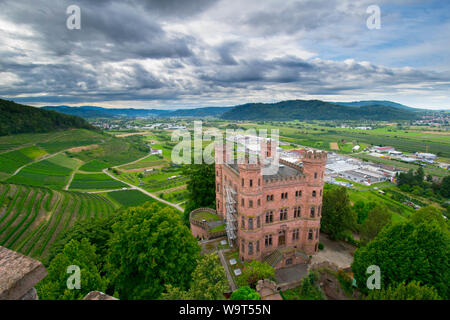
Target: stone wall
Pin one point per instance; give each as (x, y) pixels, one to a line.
(18, 275)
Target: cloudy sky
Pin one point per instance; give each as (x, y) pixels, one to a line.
(192, 53)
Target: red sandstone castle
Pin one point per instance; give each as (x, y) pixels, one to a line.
(273, 218)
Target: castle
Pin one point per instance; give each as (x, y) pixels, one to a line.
(271, 217)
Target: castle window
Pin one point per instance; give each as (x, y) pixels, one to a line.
(310, 234)
(298, 193)
(243, 246)
(251, 183)
(318, 210)
(316, 247)
(315, 175)
(312, 212)
(314, 193)
(258, 222)
(269, 217)
(243, 223)
(268, 240)
(257, 246)
(283, 214)
(250, 223)
(259, 202)
(259, 182)
(250, 203)
(282, 196)
(218, 204)
(297, 211)
(242, 202)
(242, 181)
(271, 197)
(250, 248)
(295, 234)
(320, 192)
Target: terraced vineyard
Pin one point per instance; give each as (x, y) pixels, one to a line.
(31, 218)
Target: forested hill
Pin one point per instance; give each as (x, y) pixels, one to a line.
(315, 110)
(17, 118)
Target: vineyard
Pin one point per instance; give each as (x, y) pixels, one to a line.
(95, 181)
(32, 218)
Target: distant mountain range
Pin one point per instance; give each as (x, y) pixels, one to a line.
(317, 110)
(17, 118)
(284, 110)
(377, 103)
(98, 112)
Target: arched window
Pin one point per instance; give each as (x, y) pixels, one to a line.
(243, 223)
(250, 248)
(310, 234)
(312, 212)
(250, 223)
(314, 193)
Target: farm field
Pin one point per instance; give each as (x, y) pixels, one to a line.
(44, 173)
(94, 181)
(94, 166)
(129, 198)
(31, 218)
(175, 197)
(318, 135)
(150, 161)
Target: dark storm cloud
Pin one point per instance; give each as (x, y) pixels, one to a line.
(175, 50)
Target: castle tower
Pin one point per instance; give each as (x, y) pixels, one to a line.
(249, 216)
(314, 162)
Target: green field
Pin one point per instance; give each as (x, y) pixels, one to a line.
(150, 161)
(94, 166)
(95, 181)
(43, 174)
(129, 198)
(175, 196)
(32, 218)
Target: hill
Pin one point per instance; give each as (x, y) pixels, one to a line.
(377, 103)
(99, 112)
(17, 118)
(315, 110)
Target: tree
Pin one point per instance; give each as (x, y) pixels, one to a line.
(209, 279)
(337, 214)
(429, 214)
(410, 291)
(406, 252)
(420, 176)
(362, 210)
(445, 187)
(209, 282)
(201, 188)
(254, 271)
(96, 230)
(75, 253)
(378, 217)
(245, 293)
(150, 247)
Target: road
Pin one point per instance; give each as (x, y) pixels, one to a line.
(176, 206)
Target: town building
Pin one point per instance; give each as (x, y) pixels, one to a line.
(272, 217)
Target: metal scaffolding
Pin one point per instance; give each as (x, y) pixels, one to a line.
(230, 211)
